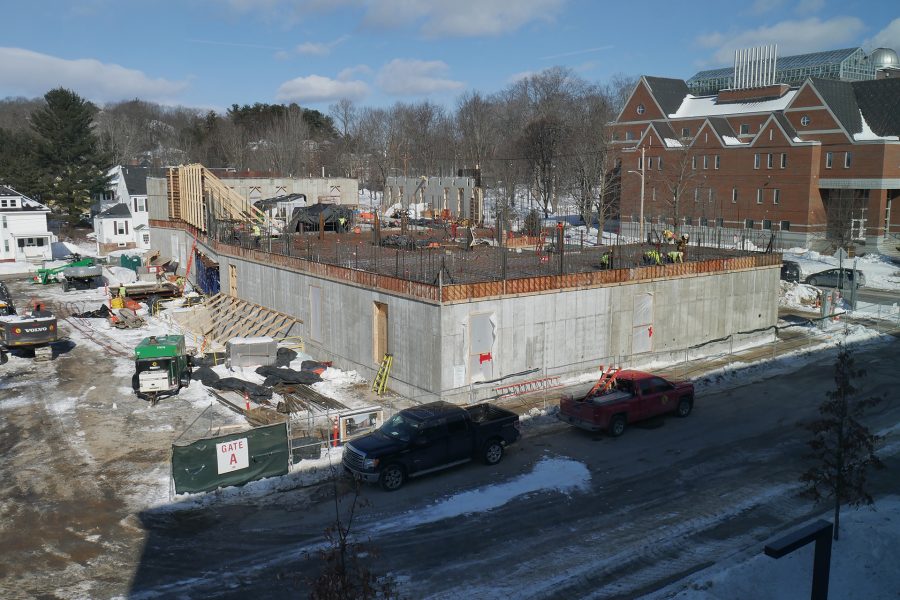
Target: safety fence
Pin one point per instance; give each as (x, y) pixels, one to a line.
(231, 459)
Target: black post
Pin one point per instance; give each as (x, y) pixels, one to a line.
(819, 533)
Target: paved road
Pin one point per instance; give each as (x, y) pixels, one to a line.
(665, 500)
(875, 296)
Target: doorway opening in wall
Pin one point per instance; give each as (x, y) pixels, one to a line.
(232, 280)
(379, 331)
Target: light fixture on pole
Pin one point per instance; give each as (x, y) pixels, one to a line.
(641, 173)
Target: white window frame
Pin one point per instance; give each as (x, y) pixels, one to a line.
(848, 159)
(783, 160)
(776, 196)
(759, 195)
(640, 109)
(734, 195)
(745, 129)
(705, 161)
(757, 161)
(829, 159)
(770, 161)
(718, 162)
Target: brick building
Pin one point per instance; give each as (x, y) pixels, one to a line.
(815, 164)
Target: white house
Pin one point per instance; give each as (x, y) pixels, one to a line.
(24, 236)
(122, 221)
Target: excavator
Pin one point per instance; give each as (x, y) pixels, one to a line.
(35, 329)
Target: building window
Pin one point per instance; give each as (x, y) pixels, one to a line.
(776, 196)
(685, 132)
(767, 224)
(615, 136)
(759, 195)
(689, 221)
(140, 205)
(712, 195)
(783, 160)
(828, 159)
(629, 135)
(4, 203)
(146, 238)
(4, 221)
(804, 120)
(640, 109)
(769, 161)
(12, 203)
(653, 195)
(650, 163)
(848, 158)
(748, 223)
(718, 161)
(734, 195)
(785, 225)
(640, 163)
(704, 222)
(756, 161)
(705, 161)
(745, 129)
(659, 163)
(696, 194)
(120, 227)
(694, 163)
(720, 222)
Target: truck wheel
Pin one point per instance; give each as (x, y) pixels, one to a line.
(684, 407)
(493, 452)
(392, 478)
(617, 426)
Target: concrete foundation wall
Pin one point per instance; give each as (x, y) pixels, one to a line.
(335, 190)
(442, 351)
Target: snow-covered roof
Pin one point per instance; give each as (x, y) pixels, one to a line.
(867, 135)
(25, 203)
(706, 106)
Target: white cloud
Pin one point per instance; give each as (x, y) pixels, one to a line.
(409, 77)
(315, 88)
(792, 37)
(576, 52)
(889, 37)
(351, 72)
(470, 18)
(28, 73)
(520, 76)
(320, 48)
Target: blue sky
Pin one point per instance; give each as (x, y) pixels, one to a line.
(209, 53)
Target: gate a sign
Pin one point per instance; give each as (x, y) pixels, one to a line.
(233, 455)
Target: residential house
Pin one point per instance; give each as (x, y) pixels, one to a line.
(24, 236)
(121, 218)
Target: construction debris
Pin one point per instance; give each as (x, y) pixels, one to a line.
(125, 318)
(276, 375)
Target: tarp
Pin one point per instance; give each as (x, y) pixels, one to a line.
(308, 217)
(232, 459)
(275, 375)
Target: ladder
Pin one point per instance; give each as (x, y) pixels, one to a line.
(607, 378)
(384, 372)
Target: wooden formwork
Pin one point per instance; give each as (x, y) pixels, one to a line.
(190, 186)
(228, 317)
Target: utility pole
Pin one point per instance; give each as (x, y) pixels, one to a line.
(643, 167)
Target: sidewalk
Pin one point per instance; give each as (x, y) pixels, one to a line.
(789, 340)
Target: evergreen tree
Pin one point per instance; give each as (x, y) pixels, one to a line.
(18, 162)
(68, 153)
(843, 448)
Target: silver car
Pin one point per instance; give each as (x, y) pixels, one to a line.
(837, 278)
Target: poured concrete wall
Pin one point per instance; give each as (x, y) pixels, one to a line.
(443, 351)
(334, 190)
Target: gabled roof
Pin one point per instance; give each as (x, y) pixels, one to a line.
(786, 125)
(879, 101)
(118, 210)
(666, 134)
(668, 92)
(136, 180)
(25, 203)
(724, 130)
(839, 97)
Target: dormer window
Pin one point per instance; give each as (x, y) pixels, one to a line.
(685, 132)
(745, 129)
(640, 109)
(804, 120)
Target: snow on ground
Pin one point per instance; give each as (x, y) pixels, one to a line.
(798, 295)
(880, 272)
(863, 565)
(562, 475)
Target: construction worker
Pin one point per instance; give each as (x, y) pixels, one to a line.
(653, 257)
(122, 291)
(341, 222)
(604, 260)
(256, 235)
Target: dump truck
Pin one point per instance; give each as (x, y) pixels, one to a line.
(161, 367)
(81, 278)
(34, 330)
(53, 274)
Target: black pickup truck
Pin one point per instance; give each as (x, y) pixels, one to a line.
(428, 438)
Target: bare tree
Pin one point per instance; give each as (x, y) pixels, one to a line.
(843, 448)
(287, 145)
(679, 177)
(542, 143)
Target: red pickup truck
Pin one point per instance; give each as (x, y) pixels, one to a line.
(633, 396)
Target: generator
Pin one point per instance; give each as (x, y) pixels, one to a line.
(161, 367)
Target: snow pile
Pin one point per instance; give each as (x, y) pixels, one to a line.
(880, 272)
(798, 295)
(116, 276)
(549, 474)
(863, 565)
(63, 250)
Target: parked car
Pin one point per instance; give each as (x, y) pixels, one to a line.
(837, 278)
(428, 438)
(633, 396)
(790, 270)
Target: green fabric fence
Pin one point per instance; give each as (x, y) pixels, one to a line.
(232, 459)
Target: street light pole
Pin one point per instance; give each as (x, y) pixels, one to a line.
(641, 173)
(643, 166)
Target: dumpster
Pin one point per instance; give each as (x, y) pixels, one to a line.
(130, 262)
